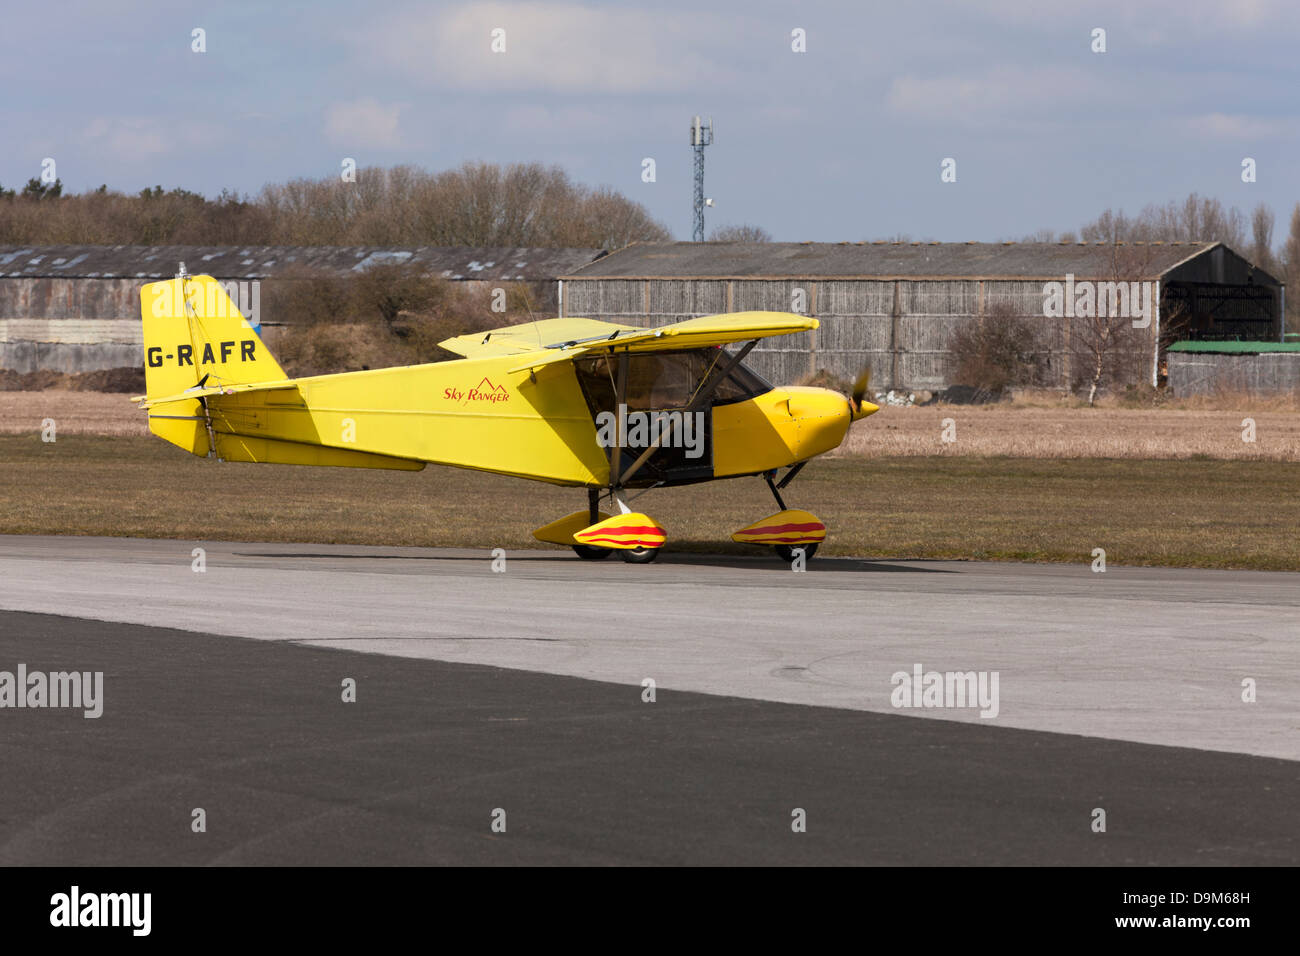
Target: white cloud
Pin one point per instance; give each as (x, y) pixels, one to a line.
(1002, 95)
(363, 122)
(142, 137)
(1241, 127)
(1152, 17)
(557, 47)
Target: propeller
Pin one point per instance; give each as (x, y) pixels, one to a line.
(858, 407)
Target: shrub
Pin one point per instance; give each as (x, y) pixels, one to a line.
(824, 379)
(995, 353)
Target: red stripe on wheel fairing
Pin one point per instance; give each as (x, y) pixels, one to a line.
(779, 528)
(621, 532)
(637, 541)
(630, 529)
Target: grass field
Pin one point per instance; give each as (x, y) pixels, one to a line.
(1186, 512)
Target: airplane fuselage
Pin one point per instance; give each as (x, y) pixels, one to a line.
(476, 413)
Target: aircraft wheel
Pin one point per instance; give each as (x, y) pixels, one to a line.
(638, 555)
(588, 553)
(786, 551)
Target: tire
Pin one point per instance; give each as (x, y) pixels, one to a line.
(638, 555)
(786, 551)
(588, 553)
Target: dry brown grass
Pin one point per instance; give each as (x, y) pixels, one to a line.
(74, 413)
(1146, 397)
(129, 380)
(1109, 432)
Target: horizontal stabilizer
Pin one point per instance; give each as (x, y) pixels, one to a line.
(290, 390)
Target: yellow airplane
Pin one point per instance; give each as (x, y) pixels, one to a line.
(576, 402)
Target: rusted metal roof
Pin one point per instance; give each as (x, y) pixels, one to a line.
(262, 262)
(875, 260)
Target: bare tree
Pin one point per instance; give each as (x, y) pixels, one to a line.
(1261, 229)
(478, 204)
(1108, 227)
(1042, 235)
(1291, 271)
(1106, 348)
(1194, 219)
(741, 233)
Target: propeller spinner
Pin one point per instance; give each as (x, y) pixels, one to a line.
(857, 407)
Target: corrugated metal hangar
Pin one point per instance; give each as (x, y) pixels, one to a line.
(893, 304)
(77, 308)
(1204, 368)
(897, 304)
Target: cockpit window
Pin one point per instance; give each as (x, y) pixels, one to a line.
(666, 380)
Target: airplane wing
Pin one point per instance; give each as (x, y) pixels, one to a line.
(693, 333)
(563, 340)
(531, 337)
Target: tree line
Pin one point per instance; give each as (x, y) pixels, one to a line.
(1193, 219)
(477, 204)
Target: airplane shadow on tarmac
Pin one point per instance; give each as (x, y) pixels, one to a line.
(748, 562)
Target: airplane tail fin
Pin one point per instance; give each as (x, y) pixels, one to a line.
(194, 333)
(195, 336)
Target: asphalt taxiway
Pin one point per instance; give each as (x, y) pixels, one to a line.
(522, 690)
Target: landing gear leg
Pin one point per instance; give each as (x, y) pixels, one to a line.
(770, 477)
(585, 551)
(786, 552)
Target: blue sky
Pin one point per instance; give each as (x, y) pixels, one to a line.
(842, 142)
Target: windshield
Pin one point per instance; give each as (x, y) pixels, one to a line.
(665, 380)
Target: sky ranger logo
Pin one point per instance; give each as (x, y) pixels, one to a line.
(1090, 300)
(947, 689)
(651, 429)
(103, 909)
(184, 354)
(75, 689)
(484, 391)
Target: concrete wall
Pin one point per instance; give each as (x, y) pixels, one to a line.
(69, 325)
(1204, 373)
(70, 345)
